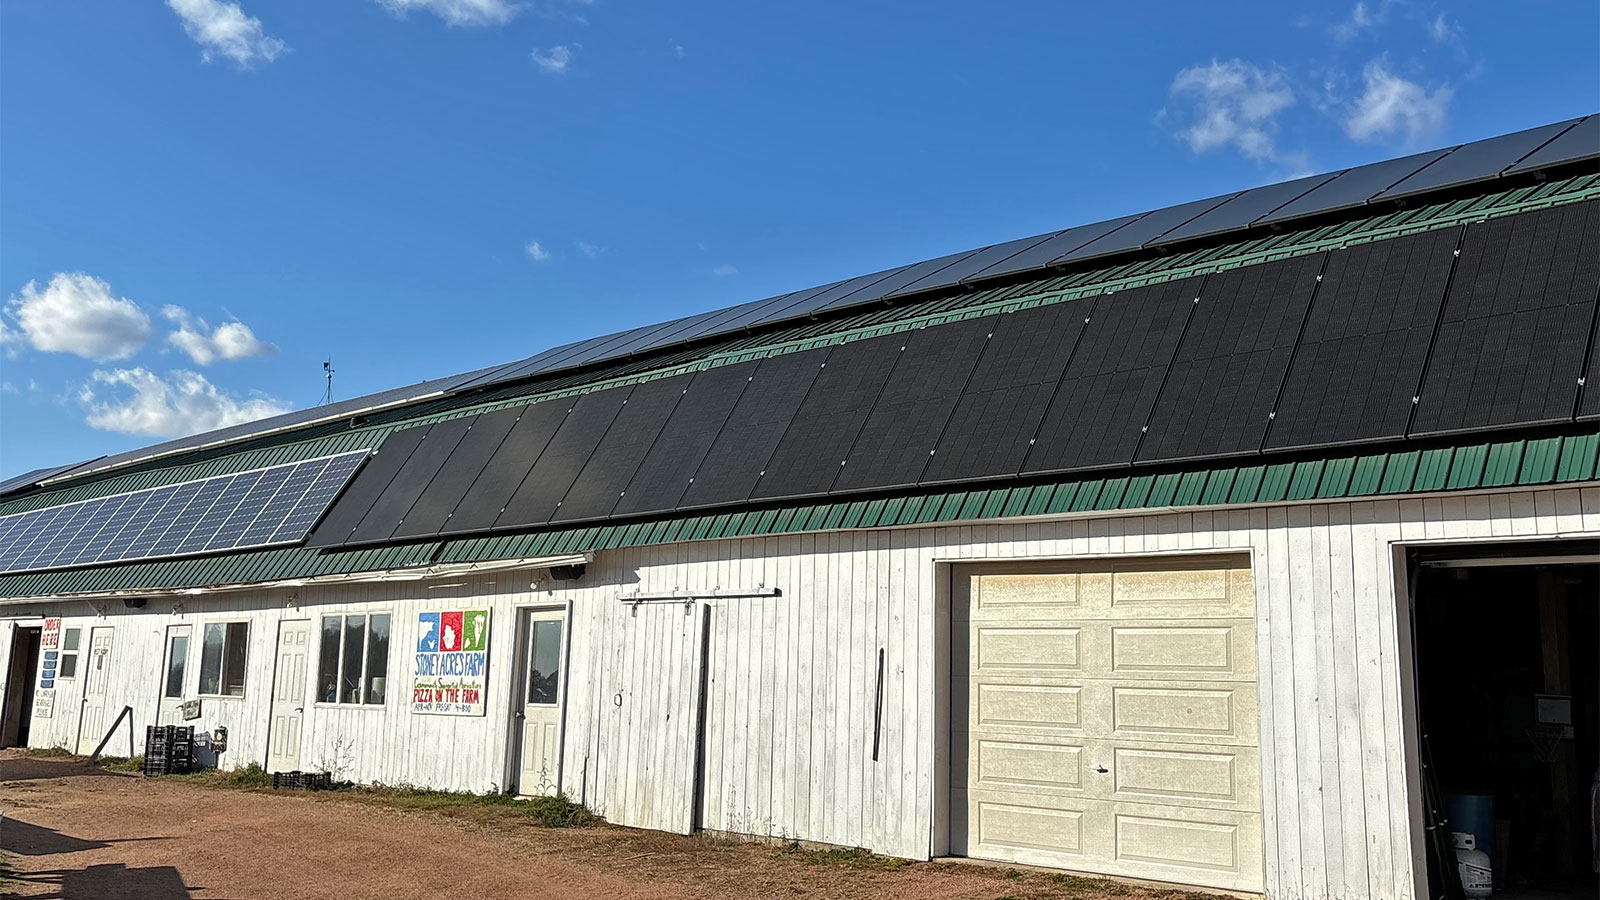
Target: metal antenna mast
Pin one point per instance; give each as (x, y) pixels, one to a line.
(327, 373)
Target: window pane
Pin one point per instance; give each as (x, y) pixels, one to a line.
(211, 659)
(355, 628)
(377, 658)
(70, 641)
(69, 665)
(234, 659)
(544, 667)
(177, 658)
(328, 661)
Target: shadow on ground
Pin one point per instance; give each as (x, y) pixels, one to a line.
(112, 880)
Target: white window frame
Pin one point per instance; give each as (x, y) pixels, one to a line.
(200, 671)
(366, 632)
(76, 653)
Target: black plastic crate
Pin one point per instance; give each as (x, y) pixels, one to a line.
(302, 781)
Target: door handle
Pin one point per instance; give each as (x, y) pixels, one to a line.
(299, 709)
(1101, 769)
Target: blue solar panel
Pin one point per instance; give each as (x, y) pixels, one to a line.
(275, 505)
(1580, 141)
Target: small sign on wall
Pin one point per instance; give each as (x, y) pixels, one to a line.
(52, 635)
(451, 666)
(44, 703)
(190, 710)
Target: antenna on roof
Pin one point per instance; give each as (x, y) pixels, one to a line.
(327, 373)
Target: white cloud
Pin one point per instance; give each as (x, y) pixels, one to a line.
(724, 271)
(537, 251)
(459, 12)
(1444, 31)
(1363, 17)
(1395, 110)
(590, 250)
(222, 29)
(137, 401)
(1231, 103)
(205, 345)
(77, 313)
(677, 50)
(556, 60)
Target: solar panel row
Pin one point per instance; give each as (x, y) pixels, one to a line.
(1548, 145)
(275, 505)
(1481, 326)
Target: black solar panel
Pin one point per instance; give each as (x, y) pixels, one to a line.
(1360, 360)
(993, 424)
(1512, 340)
(1054, 247)
(1353, 187)
(445, 492)
(637, 426)
(1589, 395)
(227, 512)
(505, 471)
(741, 451)
(1477, 161)
(1105, 397)
(395, 503)
(575, 441)
(1581, 141)
(664, 475)
(1232, 361)
(814, 448)
(1149, 227)
(899, 435)
(386, 462)
(1247, 207)
(928, 272)
(974, 263)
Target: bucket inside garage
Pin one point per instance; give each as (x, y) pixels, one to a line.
(1507, 671)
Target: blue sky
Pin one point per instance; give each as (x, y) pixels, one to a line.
(201, 200)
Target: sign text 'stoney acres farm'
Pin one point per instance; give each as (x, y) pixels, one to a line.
(452, 662)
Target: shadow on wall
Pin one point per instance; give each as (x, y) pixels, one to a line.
(111, 880)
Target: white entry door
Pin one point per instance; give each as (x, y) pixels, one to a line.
(174, 667)
(91, 728)
(1110, 721)
(539, 766)
(288, 696)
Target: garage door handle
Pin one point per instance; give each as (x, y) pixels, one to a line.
(1101, 769)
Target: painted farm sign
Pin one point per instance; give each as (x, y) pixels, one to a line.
(452, 662)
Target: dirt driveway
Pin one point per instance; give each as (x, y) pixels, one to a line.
(72, 831)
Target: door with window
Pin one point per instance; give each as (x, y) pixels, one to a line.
(288, 696)
(174, 666)
(544, 648)
(92, 725)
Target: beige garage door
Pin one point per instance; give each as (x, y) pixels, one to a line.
(1110, 719)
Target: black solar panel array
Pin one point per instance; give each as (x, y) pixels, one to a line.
(1321, 350)
(1360, 359)
(1516, 324)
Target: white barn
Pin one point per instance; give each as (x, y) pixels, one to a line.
(1148, 548)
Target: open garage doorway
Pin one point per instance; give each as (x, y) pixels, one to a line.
(1507, 664)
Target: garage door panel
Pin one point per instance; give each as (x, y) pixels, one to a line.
(1028, 648)
(1176, 844)
(1027, 596)
(1022, 831)
(1220, 777)
(1017, 765)
(1183, 711)
(1214, 649)
(1028, 706)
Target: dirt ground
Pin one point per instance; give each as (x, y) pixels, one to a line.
(73, 831)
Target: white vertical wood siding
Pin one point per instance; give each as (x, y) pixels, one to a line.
(792, 680)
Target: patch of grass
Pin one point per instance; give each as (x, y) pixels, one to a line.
(248, 778)
(556, 811)
(848, 857)
(1098, 887)
(133, 764)
(1011, 873)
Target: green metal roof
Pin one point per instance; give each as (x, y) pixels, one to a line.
(1562, 459)
(320, 440)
